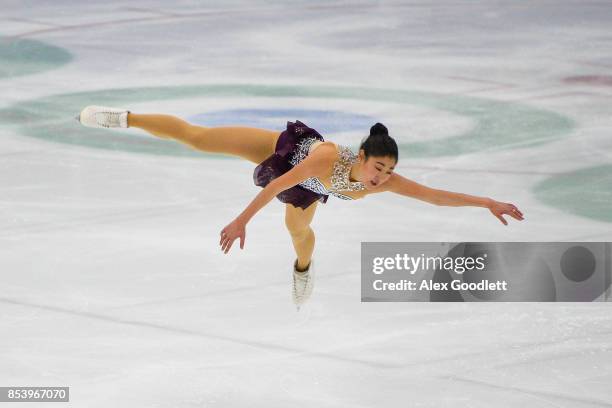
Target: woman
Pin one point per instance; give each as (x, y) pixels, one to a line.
(301, 169)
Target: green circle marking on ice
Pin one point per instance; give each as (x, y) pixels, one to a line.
(586, 192)
(20, 57)
(498, 125)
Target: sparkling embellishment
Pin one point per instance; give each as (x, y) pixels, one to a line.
(342, 168)
(302, 149)
(340, 175)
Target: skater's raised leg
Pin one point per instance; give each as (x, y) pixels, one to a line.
(250, 143)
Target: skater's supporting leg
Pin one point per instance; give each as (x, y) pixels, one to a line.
(303, 237)
(250, 143)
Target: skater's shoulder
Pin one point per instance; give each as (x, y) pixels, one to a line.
(325, 152)
(323, 148)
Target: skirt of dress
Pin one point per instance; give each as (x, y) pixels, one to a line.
(279, 163)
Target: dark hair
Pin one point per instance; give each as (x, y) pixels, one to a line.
(379, 143)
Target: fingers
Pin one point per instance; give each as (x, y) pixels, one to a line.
(515, 215)
(227, 240)
(515, 210)
(498, 209)
(227, 244)
(224, 241)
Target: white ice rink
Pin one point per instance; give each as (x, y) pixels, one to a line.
(113, 281)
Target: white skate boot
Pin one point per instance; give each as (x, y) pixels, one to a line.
(103, 117)
(303, 282)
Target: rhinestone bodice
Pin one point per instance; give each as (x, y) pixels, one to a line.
(340, 175)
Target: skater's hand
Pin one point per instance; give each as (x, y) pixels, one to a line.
(235, 229)
(498, 209)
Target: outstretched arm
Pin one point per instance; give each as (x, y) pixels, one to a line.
(403, 186)
(311, 166)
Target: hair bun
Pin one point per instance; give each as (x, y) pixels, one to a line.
(379, 129)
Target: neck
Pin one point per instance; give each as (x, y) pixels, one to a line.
(355, 173)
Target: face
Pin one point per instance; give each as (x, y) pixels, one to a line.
(376, 170)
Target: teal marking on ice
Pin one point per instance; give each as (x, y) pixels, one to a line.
(498, 125)
(19, 57)
(586, 192)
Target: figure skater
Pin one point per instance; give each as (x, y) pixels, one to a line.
(301, 169)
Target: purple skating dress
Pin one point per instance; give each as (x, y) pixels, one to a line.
(292, 147)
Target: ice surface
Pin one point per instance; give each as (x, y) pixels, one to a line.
(113, 280)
